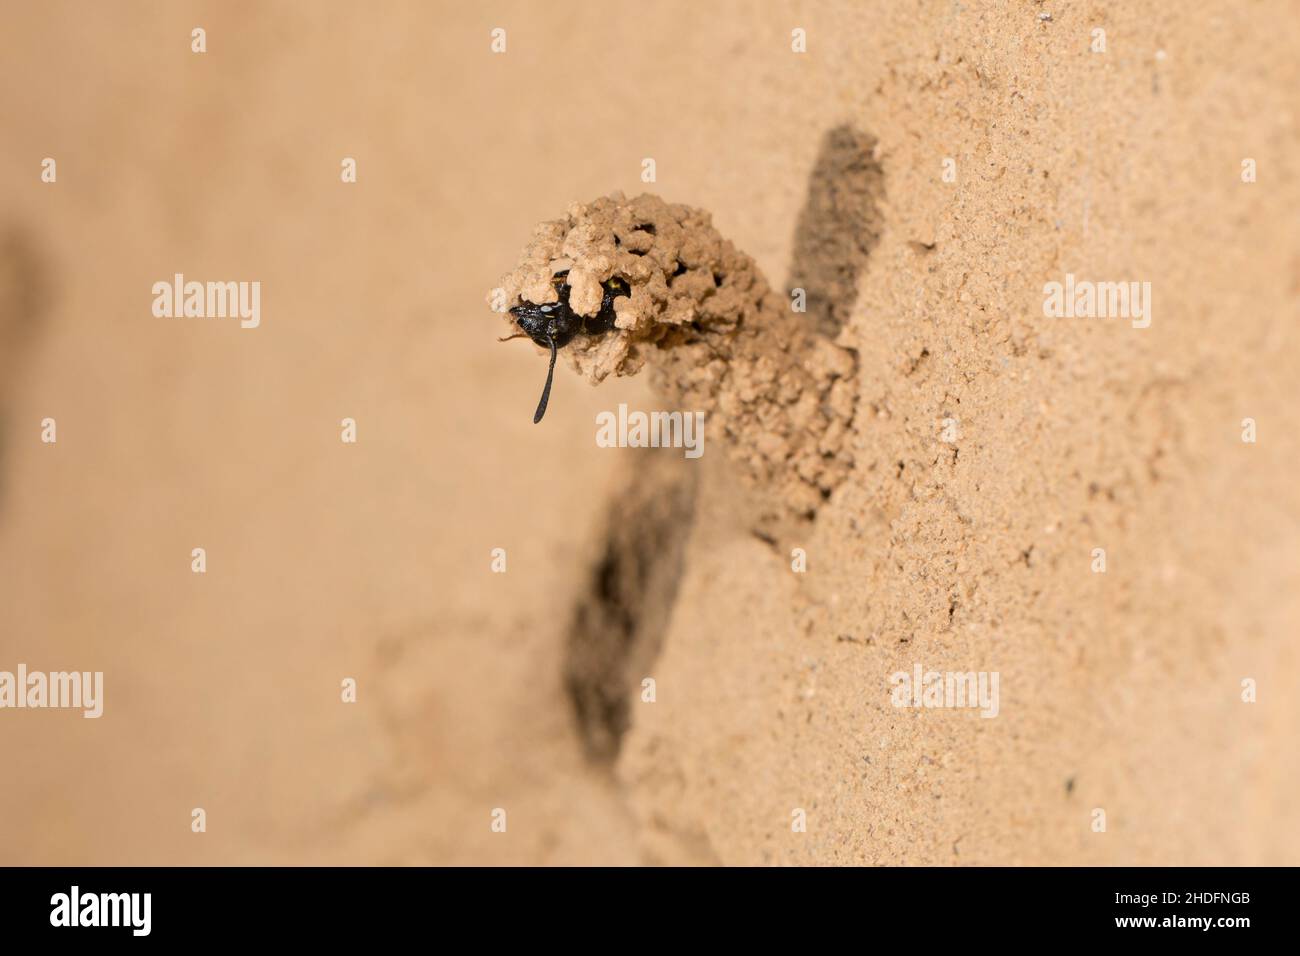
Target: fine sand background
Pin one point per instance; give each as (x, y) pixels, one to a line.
(1119, 691)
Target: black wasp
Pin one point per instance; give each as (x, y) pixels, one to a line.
(553, 325)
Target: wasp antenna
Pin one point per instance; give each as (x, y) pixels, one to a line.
(546, 392)
(517, 335)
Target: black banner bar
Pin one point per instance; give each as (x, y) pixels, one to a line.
(335, 905)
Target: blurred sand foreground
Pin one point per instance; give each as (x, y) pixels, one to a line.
(1119, 691)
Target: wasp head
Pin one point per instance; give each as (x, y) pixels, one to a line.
(553, 325)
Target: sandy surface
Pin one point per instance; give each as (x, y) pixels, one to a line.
(372, 560)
